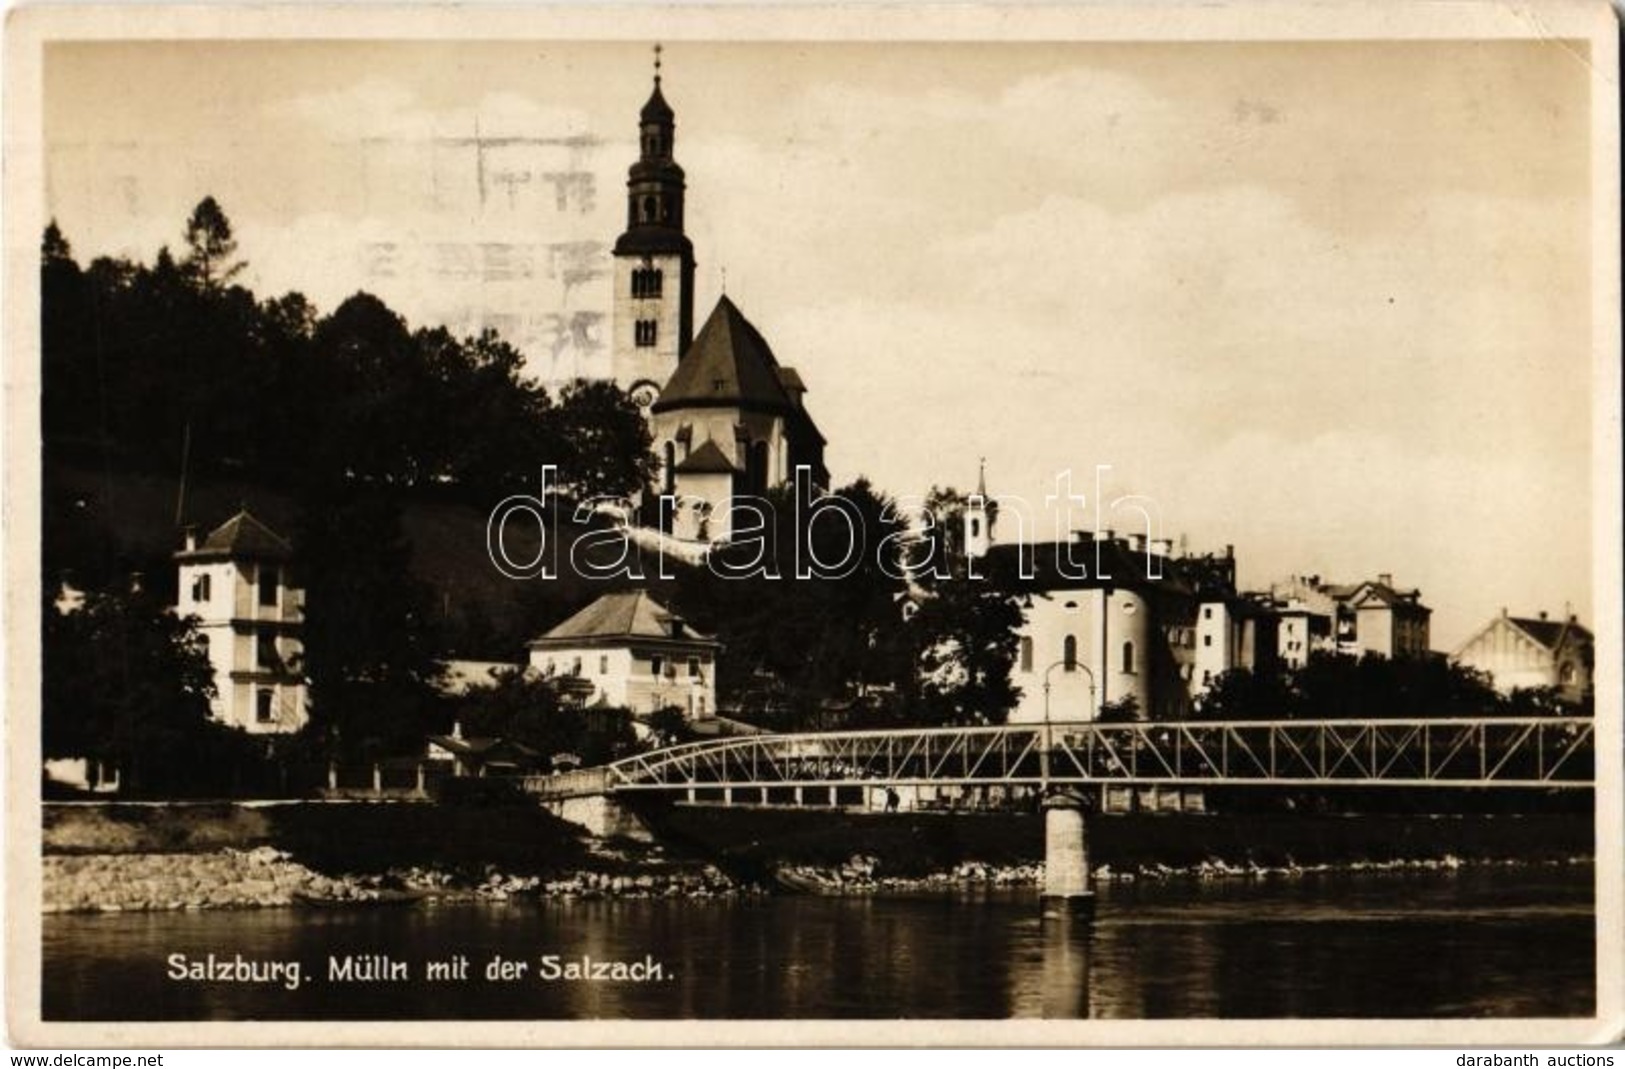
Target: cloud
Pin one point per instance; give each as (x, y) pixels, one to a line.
(386, 109)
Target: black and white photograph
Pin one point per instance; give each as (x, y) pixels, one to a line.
(981, 525)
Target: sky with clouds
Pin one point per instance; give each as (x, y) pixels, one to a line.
(1328, 302)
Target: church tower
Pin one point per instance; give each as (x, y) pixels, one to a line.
(654, 261)
(979, 517)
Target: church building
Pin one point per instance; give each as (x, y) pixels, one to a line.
(727, 419)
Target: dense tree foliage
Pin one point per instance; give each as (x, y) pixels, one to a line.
(174, 369)
(965, 632)
(128, 683)
(148, 362)
(823, 626)
(1337, 686)
(370, 643)
(525, 708)
(802, 605)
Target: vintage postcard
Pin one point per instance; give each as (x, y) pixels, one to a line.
(916, 525)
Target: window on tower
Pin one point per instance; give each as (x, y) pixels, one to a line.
(647, 281)
(644, 333)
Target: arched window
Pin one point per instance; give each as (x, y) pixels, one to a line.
(648, 209)
(1069, 653)
(1026, 653)
(975, 527)
(1128, 658)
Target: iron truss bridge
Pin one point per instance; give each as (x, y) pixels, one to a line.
(1547, 752)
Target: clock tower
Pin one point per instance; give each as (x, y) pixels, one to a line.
(654, 261)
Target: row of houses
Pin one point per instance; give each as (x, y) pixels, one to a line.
(1145, 633)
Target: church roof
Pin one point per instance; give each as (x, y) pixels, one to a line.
(728, 365)
(707, 459)
(656, 110)
(1047, 566)
(618, 617)
(647, 239)
(240, 538)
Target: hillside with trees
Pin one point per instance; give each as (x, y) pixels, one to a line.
(172, 396)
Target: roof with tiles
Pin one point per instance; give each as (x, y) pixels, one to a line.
(240, 538)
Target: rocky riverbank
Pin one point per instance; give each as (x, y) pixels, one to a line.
(263, 876)
(241, 879)
(120, 857)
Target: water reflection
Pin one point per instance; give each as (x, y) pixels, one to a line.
(1495, 942)
(1066, 964)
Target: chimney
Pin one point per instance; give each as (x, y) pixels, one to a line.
(1229, 551)
(1134, 542)
(189, 534)
(456, 729)
(1386, 578)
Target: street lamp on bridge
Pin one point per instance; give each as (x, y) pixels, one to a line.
(1072, 663)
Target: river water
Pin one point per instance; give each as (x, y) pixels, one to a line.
(1502, 941)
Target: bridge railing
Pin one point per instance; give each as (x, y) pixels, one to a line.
(1499, 752)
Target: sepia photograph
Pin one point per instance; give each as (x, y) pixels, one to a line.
(997, 525)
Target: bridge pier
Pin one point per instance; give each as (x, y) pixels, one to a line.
(1067, 886)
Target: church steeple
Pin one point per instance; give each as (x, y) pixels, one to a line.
(654, 260)
(979, 516)
(654, 186)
